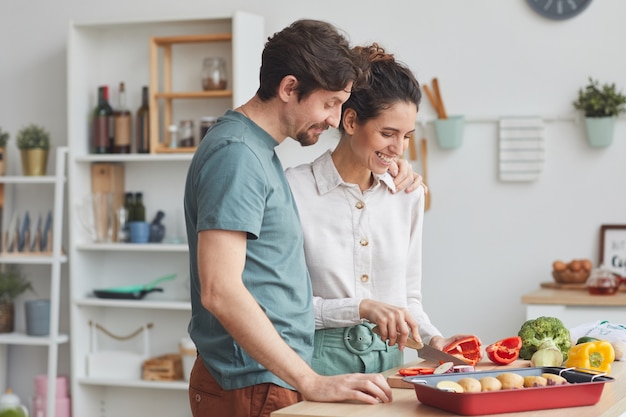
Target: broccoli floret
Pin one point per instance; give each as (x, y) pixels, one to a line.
(541, 333)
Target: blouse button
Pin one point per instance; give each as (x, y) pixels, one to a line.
(364, 242)
(359, 205)
(364, 278)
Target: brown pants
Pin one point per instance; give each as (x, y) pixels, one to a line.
(207, 398)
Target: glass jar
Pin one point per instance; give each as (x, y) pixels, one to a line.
(205, 124)
(604, 282)
(214, 74)
(173, 131)
(185, 133)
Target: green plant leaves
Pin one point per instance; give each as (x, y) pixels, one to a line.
(597, 100)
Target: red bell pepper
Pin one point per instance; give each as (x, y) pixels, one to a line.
(467, 349)
(504, 351)
(416, 371)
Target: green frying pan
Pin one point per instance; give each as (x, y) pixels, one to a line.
(133, 292)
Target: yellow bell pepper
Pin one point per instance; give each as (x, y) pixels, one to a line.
(596, 356)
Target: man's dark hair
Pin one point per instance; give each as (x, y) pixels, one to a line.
(312, 51)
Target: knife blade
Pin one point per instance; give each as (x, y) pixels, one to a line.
(432, 354)
(427, 352)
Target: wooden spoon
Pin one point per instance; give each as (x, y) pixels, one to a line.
(424, 152)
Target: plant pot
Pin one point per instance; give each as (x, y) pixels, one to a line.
(34, 161)
(450, 131)
(3, 157)
(600, 131)
(37, 313)
(7, 317)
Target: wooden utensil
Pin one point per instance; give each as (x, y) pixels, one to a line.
(412, 149)
(442, 108)
(424, 152)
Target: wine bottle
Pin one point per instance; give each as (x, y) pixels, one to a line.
(129, 205)
(139, 214)
(102, 122)
(142, 142)
(123, 124)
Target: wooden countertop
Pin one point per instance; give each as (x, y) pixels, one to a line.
(573, 297)
(405, 403)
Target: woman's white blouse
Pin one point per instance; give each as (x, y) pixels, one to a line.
(359, 245)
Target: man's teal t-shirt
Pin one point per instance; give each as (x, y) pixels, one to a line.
(236, 182)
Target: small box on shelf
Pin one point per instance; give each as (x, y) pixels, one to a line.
(168, 367)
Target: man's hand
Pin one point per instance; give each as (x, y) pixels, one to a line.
(404, 178)
(366, 388)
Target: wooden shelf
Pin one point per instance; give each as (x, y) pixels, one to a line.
(202, 38)
(195, 94)
(166, 94)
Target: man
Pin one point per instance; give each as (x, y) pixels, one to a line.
(252, 313)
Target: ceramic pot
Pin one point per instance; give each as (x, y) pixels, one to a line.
(34, 161)
(600, 131)
(7, 317)
(450, 131)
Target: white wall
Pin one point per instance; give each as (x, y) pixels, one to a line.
(486, 242)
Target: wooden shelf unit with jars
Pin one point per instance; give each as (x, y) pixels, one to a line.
(167, 95)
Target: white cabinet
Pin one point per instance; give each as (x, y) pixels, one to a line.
(53, 260)
(106, 53)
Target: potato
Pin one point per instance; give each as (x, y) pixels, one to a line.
(535, 381)
(449, 386)
(553, 379)
(470, 384)
(490, 383)
(511, 380)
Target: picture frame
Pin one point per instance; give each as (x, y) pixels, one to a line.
(613, 247)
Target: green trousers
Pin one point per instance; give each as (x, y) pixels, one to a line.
(353, 349)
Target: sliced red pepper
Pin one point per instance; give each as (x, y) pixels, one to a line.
(416, 371)
(467, 349)
(504, 351)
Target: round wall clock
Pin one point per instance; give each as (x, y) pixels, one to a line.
(558, 9)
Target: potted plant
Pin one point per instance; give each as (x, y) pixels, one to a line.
(601, 104)
(33, 142)
(4, 138)
(12, 284)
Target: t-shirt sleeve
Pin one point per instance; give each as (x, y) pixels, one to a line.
(231, 191)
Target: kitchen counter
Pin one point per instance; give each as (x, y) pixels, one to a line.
(573, 297)
(405, 403)
(575, 306)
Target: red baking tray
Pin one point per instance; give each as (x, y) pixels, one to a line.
(584, 389)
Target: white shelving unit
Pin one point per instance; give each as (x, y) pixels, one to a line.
(56, 259)
(106, 53)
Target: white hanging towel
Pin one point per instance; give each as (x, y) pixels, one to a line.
(522, 150)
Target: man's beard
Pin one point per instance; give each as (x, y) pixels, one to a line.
(307, 138)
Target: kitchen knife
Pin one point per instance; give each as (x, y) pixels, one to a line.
(427, 352)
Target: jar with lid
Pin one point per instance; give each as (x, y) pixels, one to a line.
(214, 74)
(205, 124)
(185, 133)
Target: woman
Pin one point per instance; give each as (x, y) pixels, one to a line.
(363, 243)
